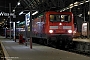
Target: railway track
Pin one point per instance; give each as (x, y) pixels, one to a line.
(82, 48)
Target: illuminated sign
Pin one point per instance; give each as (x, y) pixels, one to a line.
(6, 14)
(27, 18)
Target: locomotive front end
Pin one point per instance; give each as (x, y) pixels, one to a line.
(60, 27)
(60, 24)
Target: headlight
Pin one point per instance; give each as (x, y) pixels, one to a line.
(50, 31)
(69, 31)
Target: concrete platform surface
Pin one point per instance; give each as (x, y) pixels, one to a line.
(15, 51)
(82, 40)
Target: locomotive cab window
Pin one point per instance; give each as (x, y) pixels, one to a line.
(65, 18)
(55, 18)
(60, 18)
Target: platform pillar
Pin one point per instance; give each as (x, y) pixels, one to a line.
(31, 42)
(30, 29)
(89, 21)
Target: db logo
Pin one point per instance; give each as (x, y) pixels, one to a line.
(59, 27)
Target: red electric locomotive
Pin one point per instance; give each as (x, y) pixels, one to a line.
(53, 26)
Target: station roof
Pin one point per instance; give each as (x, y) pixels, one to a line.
(78, 7)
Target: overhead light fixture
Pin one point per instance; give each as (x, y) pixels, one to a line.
(63, 9)
(35, 13)
(80, 15)
(67, 8)
(10, 22)
(87, 1)
(82, 2)
(18, 3)
(13, 10)
(88, 12)
(18, 22)
(0, 23)
(21, 13)
(71, 4)
(76, 3)
(4, 19)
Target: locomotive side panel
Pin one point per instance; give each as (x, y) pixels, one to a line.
(38, 27)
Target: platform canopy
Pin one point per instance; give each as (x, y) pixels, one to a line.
(79, 8)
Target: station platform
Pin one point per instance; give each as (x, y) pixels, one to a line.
(82, 45)
(81, 40)
(15, 51)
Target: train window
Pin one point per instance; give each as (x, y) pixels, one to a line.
(54, 18)
(65, 18)
(60, 18)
